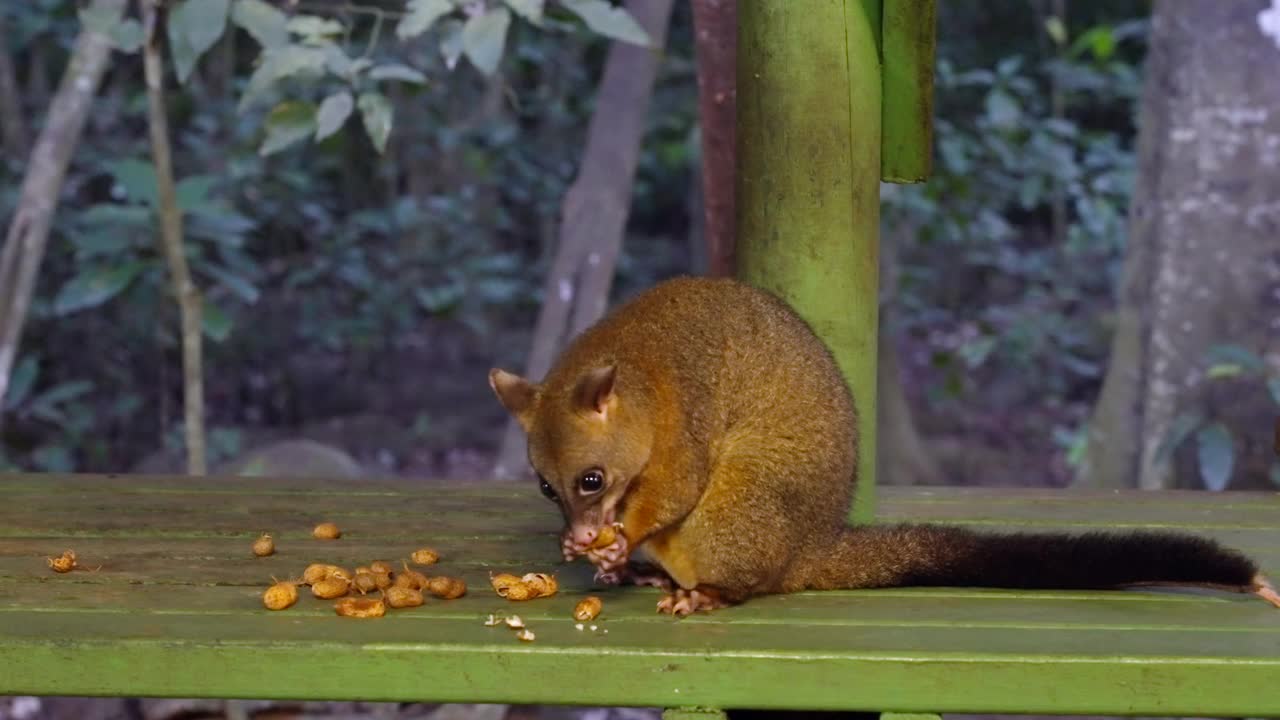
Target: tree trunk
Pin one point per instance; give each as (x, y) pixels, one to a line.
(184, 289)
(595, 208)
(715, 24)
(13, 121)
(28, 233)
(1202, 264)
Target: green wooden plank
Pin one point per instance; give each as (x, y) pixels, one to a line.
(806, 667)
(907, 30)
(523, 498)
(176, 614)
(234, 484)
(910, 496)
(808, 191)
(1169, 612)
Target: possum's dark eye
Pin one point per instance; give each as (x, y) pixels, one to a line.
(591, 482)
(547, 490)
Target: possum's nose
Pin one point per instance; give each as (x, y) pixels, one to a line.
(584, 534)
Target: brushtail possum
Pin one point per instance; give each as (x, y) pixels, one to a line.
(702, 439)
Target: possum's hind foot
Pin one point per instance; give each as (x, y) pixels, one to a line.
(1263, 588)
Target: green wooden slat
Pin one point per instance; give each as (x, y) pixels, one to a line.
(1133, 611)
(808, 667)
(907, 30)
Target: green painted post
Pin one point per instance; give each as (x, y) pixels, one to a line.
(808, 181)
(907, 43)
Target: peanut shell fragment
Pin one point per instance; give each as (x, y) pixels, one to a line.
(280, 596)
(425, 556)
(587, 609)
(360, 607)
(403, 597)
(264, 545)
(66, 562)
(448, 588)
(326, 531)
(330, 588)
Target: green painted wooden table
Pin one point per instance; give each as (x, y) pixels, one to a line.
(175, 609)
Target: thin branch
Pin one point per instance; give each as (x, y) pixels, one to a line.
(184, 289)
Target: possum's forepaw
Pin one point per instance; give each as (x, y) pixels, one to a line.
(609, 554)
(568, 547)
(683, 602)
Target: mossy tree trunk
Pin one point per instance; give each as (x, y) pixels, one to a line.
(1202, 265)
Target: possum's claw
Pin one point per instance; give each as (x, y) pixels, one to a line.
(683, 602)
(1263, 588)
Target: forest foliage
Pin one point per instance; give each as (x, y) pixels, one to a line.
(371, 189)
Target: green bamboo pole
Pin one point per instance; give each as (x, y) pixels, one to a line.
(808, 181)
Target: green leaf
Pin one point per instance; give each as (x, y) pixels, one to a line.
(1232, 354)
(279, 64)
(420, 16)
(1216, 456)
(483, 38)
(101, 17)
(336, 60)
(99, 241)
(333, 113)
(1224, 370)
(266, 24)
(127, 36)
(451, 42)
(530, 10)
(313, 27)
(609, 21)
(94, 286)
(1003, 109)
(288, 123)
(1274, 474)
(21, 381)
(138, 178)
(215, 323)
(64, 392)
(1273, 386)
(375, 110)
(115, 214)
(397, 72)
(193, 191)
(233, 282)
(1179, 429)
(1056, 29)
(1100, 40)
(194, 26)
(53, 458)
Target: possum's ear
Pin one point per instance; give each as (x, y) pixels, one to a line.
(594, 393)
(515, 393)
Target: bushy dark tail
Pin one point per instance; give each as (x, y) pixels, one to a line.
(936, 555)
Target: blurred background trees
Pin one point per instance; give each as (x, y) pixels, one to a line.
(369, 239)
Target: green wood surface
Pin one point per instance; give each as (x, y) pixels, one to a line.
(808, 181)
(174, 609)
(907, 37)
